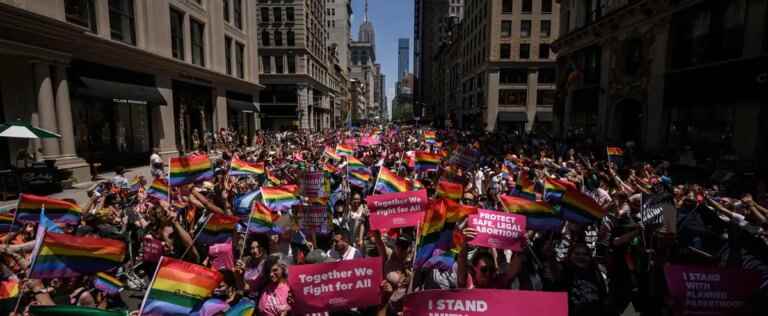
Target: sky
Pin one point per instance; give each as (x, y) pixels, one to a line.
(392, 19)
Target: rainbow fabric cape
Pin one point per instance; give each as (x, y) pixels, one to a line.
(62, 255)
(450, 190)
(555, 188)
(178, 286)
(218, 229)
(190, 169)
(29, 208)
(524, 187)
(107, 283)
(580, 208)
(540, 215)
(389, 182)
(159, 189)
(438, 245)
(262, 220)
(343, 150)
(280, 199)
(243, 168)
(426, 161)
(244, 307)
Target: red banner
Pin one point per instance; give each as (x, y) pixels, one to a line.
(497, 229)
(312, 184)
(335, 286)
(486, 302)
(710, 291)
(395, 210)
(151, 250)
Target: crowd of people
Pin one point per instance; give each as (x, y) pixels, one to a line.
(604, 265)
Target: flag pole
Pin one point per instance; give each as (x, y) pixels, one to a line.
(413, 260)
(149, 288)
(39, 236)
(245, 234)
(196, 236)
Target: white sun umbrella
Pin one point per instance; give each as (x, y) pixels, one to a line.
(20, 129)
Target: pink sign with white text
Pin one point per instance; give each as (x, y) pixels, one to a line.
(497, 229)
(335, 286)
(486, 302)
(395, 210)
(711, 290)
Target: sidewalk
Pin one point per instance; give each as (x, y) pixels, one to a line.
(78, 192)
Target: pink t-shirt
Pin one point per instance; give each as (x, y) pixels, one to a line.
(274, 299)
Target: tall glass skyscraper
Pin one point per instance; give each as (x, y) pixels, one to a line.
(402, 57)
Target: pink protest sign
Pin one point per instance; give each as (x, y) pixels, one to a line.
(151, 250)
(335, 286)
(497, 229)
(395, 210)
(486, 302)
(222, 256)
(312, 184)
(710, 291)
(314, 218)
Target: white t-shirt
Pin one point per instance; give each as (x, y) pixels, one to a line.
(351, 254)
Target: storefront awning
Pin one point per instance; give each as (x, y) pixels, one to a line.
(544, 116)
(120, 92)
(244, 106)
(513, 117)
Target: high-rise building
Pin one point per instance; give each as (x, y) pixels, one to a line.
(427, 17)
(119, 79)
(339, 24)
(296, 65)
(363, 58)
(403, 57)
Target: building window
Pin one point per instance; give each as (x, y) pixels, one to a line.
(505, 51)
(239, 60)
(81, 12)
(177, 34)
(289, 14)
(544, 51)
(228, 53)
(547, 75)
(265, 38)
(225, 3)
(545, 97)
(525, 51)
(264, 15)
(121, 21)
(506, 28)
(525, 28)
(290, 38)
(196, 31)
(278, 38)
(237, 7)
(546, 6)
(291, 64)
(546, 28)
(513, 97)
(513, 76)
(527, 6)
(506, 6)
(278, 14)
(279, 64)
(266, 64)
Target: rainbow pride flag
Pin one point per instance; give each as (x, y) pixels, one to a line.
(9, 289)
(555, 188)
(72, 310)
(359, 178)
(159, 189)
(430, 137)
(437, 244)
(274, 180)
(415, 184)
(107, 283)
(343, 150)
(262, 220)
(190, 169)
(426, 161)
(389, 182)
(578, 207)
(60, 211)
(135, 184)
(244, 307)
(450, 190)
(331, 153)
(355, 164)
(243, 168)
(62, 255)
(218, 229)
(6, 220)
(540, 215)
(329, 168)
(178, 286)
(280, 199)
(615, 155)
(244, 202)
(524, 187)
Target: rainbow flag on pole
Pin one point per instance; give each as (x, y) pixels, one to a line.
(355, 164)
(62, 255)
(261, 219)
(389, 182)
(578, 207)
(218, 229)
(438, 243)
(107, 283)
(540, 215)
(159, 189)
(450, 190)
(6, 220)
(555, 188)
(60, 211)
(343, 150)
(426, 161)
(359, 178)
(244, 307)
(178, 286)
(430, 137)
(524, 187)
(615, 155)
(243, 168)
(280, 199)
(331, 153)
(190, 169)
